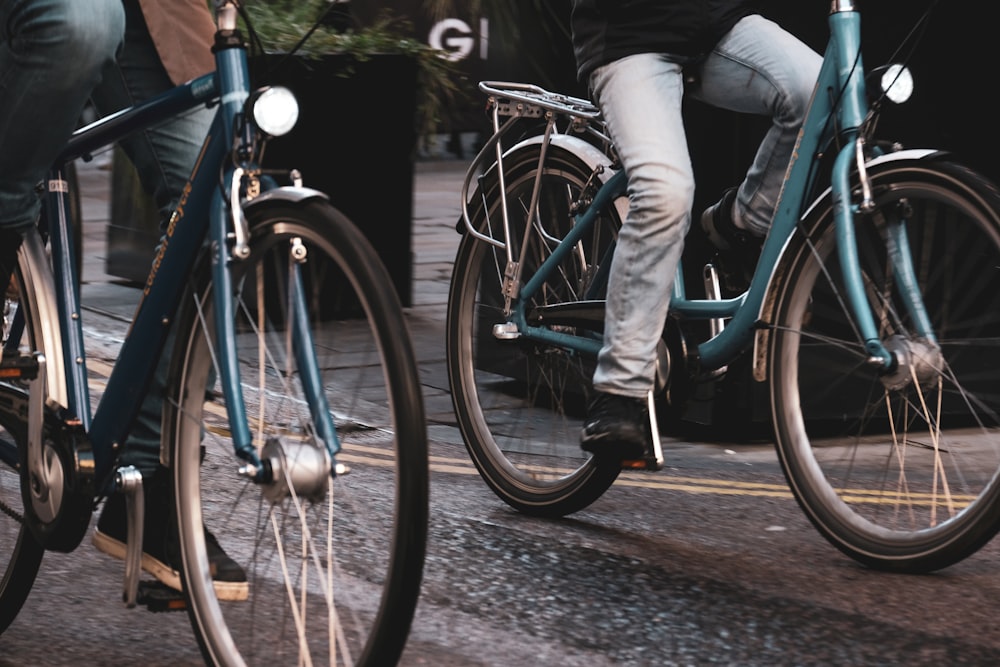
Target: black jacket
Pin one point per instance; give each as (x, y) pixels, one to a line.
(606, 30)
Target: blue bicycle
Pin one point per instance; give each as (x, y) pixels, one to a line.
(293, 425)
(872, 318)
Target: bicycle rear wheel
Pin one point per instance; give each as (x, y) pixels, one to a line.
(899, 470)
(334, 571)
(20, 553)
(23, 322)
(520, 404)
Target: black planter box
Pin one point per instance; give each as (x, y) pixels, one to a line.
(356, 141)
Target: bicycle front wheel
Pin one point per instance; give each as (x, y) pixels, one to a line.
(521, 403)
(898, 469)
(333, 562)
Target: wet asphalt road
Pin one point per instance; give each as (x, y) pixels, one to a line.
(706, 562)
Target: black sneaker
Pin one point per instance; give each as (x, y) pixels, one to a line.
(160, 551)
(738, 250)
(617, 426)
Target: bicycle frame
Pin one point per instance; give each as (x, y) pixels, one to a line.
(108, 426)
(837, 114)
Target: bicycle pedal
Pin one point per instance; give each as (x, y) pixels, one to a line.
(645, 463)
(157, 597)
(18, 366)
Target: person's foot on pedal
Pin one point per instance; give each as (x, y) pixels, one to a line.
(616, 427)
(738, 248)
(160, 550)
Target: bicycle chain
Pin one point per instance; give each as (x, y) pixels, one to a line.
(9, 511)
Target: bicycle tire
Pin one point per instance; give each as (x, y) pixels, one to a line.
(520, 404)
(900, 470)
(372, 555)
(22, 553)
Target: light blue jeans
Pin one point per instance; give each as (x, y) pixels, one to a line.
(756, 68)
(54, 55)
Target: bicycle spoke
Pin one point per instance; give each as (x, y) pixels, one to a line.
(899, 467)
(521, 401)
(333, 561)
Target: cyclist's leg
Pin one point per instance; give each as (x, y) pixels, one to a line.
(163, 155)
(760, 68)
(51, 56)
(640, 97)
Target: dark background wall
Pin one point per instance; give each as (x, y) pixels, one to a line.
(951, 63)
(953, 67)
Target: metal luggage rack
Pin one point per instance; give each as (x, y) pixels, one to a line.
(563, 114)
(507, 95)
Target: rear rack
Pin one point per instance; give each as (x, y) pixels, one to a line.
(563, 114)
(524, 99)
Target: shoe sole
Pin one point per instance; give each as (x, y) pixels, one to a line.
(230, 591)
(604, 445)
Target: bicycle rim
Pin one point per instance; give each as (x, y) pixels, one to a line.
(30, 325)
(20, 554)
(333, 565)
(521, 403)
(899, 470)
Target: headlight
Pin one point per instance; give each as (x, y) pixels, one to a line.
(275, 110)
(896, 83)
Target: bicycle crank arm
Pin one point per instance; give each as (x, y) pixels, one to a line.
(128, 480)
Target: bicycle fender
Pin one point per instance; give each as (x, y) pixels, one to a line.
(766, 314)
(37, 279)
(285, 193)
(593, 157)
(589, 154)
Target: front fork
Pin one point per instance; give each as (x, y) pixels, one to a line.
(897, 243)
(230, 237)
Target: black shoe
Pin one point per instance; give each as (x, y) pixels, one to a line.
(738, 250)
(160, 551)
(617, 426)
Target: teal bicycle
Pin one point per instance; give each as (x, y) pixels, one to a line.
(293, 422)
(872, 318)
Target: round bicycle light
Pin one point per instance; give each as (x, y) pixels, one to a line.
(275, 110)
(897, 83)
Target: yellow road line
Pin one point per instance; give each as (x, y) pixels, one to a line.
(373, 455)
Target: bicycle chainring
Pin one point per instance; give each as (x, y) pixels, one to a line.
(59, 498)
